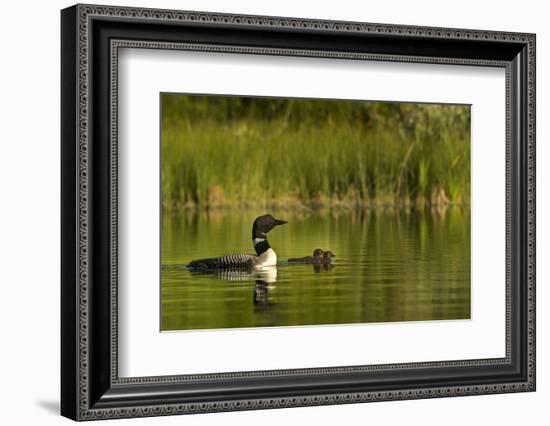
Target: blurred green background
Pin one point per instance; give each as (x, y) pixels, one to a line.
(223, 151)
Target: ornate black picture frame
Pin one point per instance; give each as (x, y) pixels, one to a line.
(91, 36)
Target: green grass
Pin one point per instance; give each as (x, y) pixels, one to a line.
(233, 152)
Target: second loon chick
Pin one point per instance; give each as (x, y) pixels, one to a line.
(327, 256)
(317, 255)
(265, 255)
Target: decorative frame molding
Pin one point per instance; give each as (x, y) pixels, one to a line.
(91, 37)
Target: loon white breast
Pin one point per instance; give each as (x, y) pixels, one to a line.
(265, 255)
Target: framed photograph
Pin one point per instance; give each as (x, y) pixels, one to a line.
(263, 212)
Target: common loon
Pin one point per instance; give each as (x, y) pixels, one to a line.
(265, 255)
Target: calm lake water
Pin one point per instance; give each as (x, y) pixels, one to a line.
(389, 266)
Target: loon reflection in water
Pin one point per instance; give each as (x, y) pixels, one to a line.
(264, 278)
(261, 293)
(266, 274)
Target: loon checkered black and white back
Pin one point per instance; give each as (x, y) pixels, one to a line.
(265, 255)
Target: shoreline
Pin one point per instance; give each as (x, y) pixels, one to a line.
(316, 206)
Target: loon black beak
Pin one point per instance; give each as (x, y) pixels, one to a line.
(280, 222)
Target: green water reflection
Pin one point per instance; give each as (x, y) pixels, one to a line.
(390, 266)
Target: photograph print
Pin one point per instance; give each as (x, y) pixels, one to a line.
(280, 212)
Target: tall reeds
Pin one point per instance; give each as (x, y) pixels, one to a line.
(220, 151)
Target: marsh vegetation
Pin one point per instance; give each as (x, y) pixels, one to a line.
(227, 152)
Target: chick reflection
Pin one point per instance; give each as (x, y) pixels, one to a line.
(320, 267)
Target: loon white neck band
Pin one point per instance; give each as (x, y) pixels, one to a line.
(257, 241)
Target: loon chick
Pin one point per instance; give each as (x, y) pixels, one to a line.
(265, 255)
(325, 262)
(317, 255)
(327, 256)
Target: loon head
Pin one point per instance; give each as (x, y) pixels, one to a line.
(317, 252)
(263, 224)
